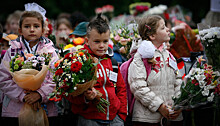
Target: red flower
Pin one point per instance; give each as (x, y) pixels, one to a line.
(193, 81)
(67, 56)
(75, 67)
(50, 28)
(157, 59)
(59, 72)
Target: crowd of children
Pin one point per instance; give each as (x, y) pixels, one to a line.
(152, 74)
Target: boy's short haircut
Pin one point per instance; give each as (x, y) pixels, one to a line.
(100, 24)
(34, 14)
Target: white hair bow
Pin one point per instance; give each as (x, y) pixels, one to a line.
(35, 7)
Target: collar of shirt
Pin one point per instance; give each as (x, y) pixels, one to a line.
(160, 47)
(33, 49)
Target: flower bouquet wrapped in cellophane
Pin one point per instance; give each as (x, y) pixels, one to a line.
(202, 85)
(28, 72)
(74, 74)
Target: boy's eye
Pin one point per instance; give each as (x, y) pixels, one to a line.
(36, 26)
(97, 41)
(26, 26)
(106, 41)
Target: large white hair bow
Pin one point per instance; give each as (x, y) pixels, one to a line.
(35, 7)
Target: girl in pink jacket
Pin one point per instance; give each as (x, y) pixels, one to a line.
(31, 41)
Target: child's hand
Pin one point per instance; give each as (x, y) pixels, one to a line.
(90, 94)
(175, 114)
(164, 111)
(32, 97)
(36, 106)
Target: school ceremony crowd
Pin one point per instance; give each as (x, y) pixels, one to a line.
(153, 67)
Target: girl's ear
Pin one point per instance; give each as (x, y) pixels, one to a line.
(152, 37)
(87, 41)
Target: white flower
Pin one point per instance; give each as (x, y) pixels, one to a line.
(66, 93)
(211, 86)
(202, 84)
(68, 75)
(205, 92)
(83, 80)
(81, 71)
(34, 64)
(200, 77)
(192, 71)
(210, 98)
(75, 88)
(211, 40)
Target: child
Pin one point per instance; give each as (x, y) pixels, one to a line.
(30, 41)
(12, 22)
(98, 34)
(63, 29)
(154, 93)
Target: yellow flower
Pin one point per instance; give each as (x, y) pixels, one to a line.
(215, 82)
(68, 46)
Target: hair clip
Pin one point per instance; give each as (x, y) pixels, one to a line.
(148, 27)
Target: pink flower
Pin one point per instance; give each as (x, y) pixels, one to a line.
(98, 10)
(119, 31)
(108, 8)
(117, 38)
(122, 50)
(124, 41)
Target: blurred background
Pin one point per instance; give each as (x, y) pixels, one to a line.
(196, 8)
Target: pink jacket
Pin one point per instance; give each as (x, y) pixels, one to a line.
(13, 94)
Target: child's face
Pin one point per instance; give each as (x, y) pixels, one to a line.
(4, 45)
(98, 43)
(31, 29)
(162, 33)
(14, 25)
(63, 28)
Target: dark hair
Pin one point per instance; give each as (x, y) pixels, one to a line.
(76, 18)
(147, 26)
(100, 24)
(34, 14)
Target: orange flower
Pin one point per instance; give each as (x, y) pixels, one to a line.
(78, 41)
(81, 53)
(28, 55)
(57, 63)
(21, 59)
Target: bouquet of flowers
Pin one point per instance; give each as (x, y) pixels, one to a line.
(74, 74)
(123, 37)
(139, 8)
(210, 38)
(202, 85)
(28, 70)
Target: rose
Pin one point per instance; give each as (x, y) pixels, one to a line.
(59, 72)
(75, 67)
